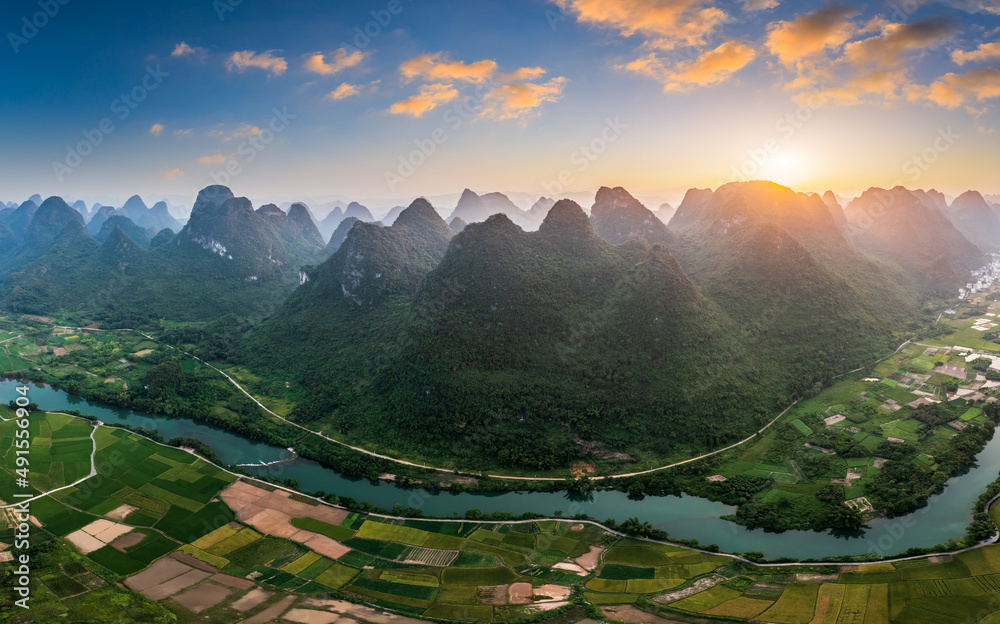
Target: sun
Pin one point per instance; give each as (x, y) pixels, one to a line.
(785, 168)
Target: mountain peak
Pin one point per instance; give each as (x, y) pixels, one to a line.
(270, 210)
(617, 197)
(419, 211)
(618, 216)
(566, 216)
(214, 195)
(300, 216)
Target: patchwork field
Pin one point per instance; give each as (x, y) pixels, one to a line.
(198, 544)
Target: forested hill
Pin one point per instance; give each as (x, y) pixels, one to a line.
(228, 259)
(517, 344)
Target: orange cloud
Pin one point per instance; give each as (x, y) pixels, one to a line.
(344, 91)
(241, 61)
(955, 90)
(525, 73)
(183, 49)
(665, 24)
(340, 60)
(172, 174)
(243, 132)
(517, 101)
(871, 70)
(811, 35)
(711, 68)
(213, 159)
(985, 52)
(157, 129)
(438, 67)
(430, 97)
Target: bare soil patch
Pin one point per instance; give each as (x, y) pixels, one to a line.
(120, 513)
(582, 469)
(519, 593)
(699, 586)
(202, 597)
(323, 544)
(127, 541)
(161, 571)
(558, 592)
(590, 560)
(175, 585)
(358, 612)
(191, 561)
(86, 542)
(272, 612)
(628, 613)
(253, 598)
(309, 616)
(272, 512)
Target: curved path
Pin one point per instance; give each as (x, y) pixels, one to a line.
(403, 462)
(93, 469)
(321, 501)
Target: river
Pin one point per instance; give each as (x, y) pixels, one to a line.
(945, 516)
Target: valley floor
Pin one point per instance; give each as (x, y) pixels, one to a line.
(161, 535)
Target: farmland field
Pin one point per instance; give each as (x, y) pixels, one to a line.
(461, 569)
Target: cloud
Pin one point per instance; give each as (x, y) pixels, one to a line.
(873, 69)
(340, 60)
(183, 49)
(172, 174)
(245, 131)
(241, 61)
(711, 68)
(665, 24)
(759, 5)
(344, 91)
(812, 34)
(956, 90)
(157, 129)
(985, 52)
(525, 73)
(972, 6)
(430, 97)
(439, 68)
(213, 159)
(183, 133)
(517, 101)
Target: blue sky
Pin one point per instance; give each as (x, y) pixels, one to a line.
(560, 96)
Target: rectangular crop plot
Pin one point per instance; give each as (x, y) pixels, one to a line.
(408, 535)
(634, 552)
(708, 599)
(803, 428)
(242, 538)
(743, 608)
(301, 563)
(478, 576)
(797, 605)
(332, 531)
(614, 571)
(336, 576)
(509, 557)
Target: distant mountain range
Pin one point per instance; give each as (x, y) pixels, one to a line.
(228, 259)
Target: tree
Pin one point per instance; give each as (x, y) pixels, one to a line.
(843, 517)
